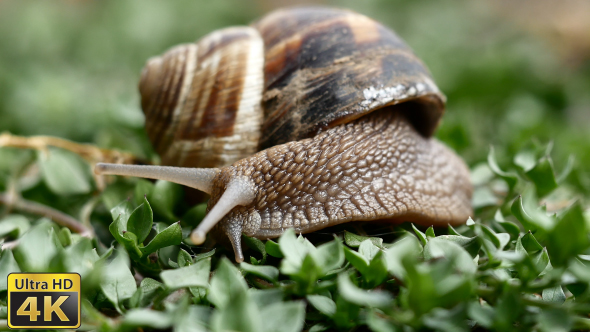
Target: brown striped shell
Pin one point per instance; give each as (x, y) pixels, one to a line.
(294, 73)
(202, 100)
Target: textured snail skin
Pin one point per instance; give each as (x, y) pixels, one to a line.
(375, 168)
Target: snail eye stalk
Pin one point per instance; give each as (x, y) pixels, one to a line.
(198, 178)
(239, 191)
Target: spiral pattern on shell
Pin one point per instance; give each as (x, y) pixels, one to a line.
(292, 74)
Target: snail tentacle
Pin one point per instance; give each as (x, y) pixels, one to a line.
(239, 191)
(198, 178)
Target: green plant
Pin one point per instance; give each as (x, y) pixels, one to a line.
(516, 267)
(70, 69)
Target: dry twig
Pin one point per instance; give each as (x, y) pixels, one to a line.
(89, 152)
(57, 216)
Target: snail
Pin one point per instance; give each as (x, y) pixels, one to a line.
(308, 118)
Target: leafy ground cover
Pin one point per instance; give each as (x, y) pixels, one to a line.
(516, 266)
(517, 113)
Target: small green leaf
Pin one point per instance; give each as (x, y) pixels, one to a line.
(483, 314)
(117, 228)
(556, 320)
(430, 232)
(481, 174)
(122, 211)
(554, 294)
(200, 294)
(266, 297)
(147, 291)
(407, 248)
(353, 294)
(184, 258)
(357, 260)
(173, 264)
(543, 175)
(81, 257)
(323, 304)
(115, 193)
(143, 188)
(295, 250)
(305, 274)
(498, 216)
(257, 245)
(273, 249)
(169, 237)
(500, 240)
(488, 234)
(36, 248)
(8, 265)
(439, 248)
(226, 284)
(130, 243)
(471, 244)
(510, 227)
(107, 254)
(164, 197)
(320, 327)
(526, 159)
(266, 272)
(368, 250)
(65, 236)
(530, 222)
(118, 283)
(569, 237)
(189, 276)
(141, 221)
(329, 256)
(354, 240)
(376, 271)
(453, 231)
(377, 323)
(14, 161)
(195, 215)
(448, 320)
(530, 243)
(192, 319)
(204, 255)
(541, 260)
(421, 236)
(569, 167)
(510, 178)
(483, 197)
(284, 317)
(14, 225)
(64, 172)
(143, 317)
(239, 314)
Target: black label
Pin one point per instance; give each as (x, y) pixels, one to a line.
(44, 309)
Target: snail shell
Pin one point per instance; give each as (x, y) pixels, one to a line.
(293, 74)
(202, 101)
(339, 108)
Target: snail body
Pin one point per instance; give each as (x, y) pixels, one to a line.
(339, 109)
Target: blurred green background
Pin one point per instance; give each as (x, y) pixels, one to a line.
(512, 72)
